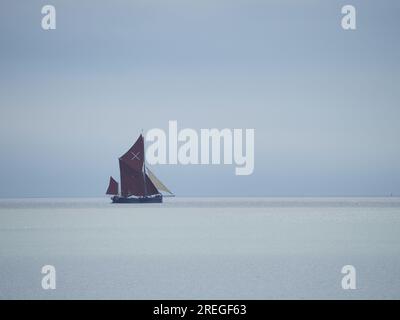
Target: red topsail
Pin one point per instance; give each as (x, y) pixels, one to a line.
(134, 157)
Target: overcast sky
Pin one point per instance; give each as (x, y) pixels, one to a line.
(324, 102)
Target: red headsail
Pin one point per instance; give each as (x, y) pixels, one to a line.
(112, 187)
(150, 187)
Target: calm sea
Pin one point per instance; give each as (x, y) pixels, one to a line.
(201, 248)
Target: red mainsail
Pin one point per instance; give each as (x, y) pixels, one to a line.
(112, 187)
(134, 180)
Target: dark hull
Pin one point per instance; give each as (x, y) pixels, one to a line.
(154, 199)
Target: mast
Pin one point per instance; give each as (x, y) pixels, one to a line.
(144, 178)
(144, 167)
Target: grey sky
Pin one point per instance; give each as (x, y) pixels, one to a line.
(324, 102)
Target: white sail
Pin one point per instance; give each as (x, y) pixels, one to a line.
(158, 184)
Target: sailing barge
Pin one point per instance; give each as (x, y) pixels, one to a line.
(138, 183)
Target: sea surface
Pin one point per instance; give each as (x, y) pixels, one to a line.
(200, 248)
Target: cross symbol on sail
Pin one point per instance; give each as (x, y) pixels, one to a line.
(135, 155)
